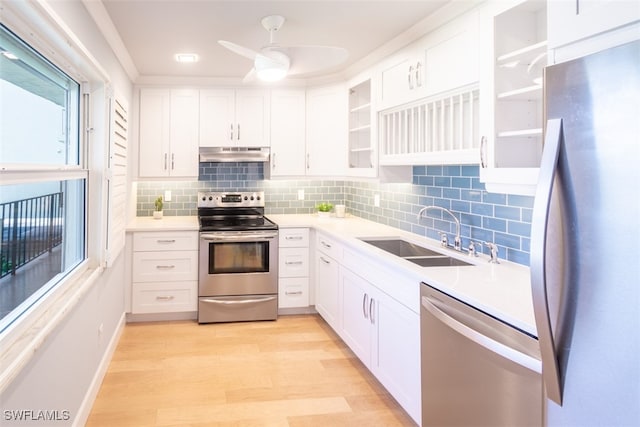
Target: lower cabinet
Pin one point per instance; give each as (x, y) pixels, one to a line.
(327, 269)
(293, 268)
(385, 335)
(164, 272)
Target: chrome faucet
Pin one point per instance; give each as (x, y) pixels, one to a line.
(493, 251)
(457, 241)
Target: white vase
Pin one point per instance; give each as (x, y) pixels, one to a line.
(157, 214)
(324, 214)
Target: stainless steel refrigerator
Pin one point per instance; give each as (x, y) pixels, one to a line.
(585, 240)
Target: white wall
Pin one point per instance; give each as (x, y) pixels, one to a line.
(63, 370)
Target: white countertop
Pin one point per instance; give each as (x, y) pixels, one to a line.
(501, 290)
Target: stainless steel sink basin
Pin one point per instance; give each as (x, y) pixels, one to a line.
(442, 261)
(417, 254)
(401, 248)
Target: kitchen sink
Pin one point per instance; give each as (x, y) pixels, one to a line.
(417, 254)
(401, 248)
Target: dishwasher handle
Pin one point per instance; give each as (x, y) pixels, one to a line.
(490, 344)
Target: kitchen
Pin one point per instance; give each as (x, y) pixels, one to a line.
(387, 185)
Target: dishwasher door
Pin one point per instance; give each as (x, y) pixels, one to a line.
(476, 370)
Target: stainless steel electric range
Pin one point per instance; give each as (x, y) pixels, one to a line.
(238, 270)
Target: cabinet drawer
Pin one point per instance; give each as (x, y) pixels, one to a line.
(294, 238)
(165, 266)
(164, 297)
(293, 262)
(293, 292)
(328, 246)
(165, 241)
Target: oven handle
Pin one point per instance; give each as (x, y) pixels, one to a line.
(239, 301)
(258, 237)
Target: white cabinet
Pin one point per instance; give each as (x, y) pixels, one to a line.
(363, 153)
(385, 335)
(168, 144)
(164, 272)
(293, 268)
(574, 20)
(288, 142)
(327, 279)
(234, 118)
(326, 131)
(402, 78)
(511, 90)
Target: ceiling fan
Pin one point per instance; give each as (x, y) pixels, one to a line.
(274, 62)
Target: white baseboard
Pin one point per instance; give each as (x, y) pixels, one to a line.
(90, 397)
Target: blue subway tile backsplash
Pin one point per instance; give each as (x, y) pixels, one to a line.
(491, 217)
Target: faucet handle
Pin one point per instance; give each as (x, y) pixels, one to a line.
(473, 252)
(444, 241)
(493, 250)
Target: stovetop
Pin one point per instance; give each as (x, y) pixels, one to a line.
(238, 211)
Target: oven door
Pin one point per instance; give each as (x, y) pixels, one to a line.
(238, 263)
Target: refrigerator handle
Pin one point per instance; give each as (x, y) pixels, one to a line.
(539, 253)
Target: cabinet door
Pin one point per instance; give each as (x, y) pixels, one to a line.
(570, 21)
(288, 145)
(183, 158)
(327, 289)
(155, 110)
(400, 77)
(357, 304)
(327, 115)
(252, 118)
(293, 262)
(450, 55)
(395, 358)
(217, 118)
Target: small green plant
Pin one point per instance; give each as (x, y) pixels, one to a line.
(324, 207)
(159, 204)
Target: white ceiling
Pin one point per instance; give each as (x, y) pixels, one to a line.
(152, 31)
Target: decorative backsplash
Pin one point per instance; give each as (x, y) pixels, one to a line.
(500, 218)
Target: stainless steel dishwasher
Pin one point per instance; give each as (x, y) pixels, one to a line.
(476, 370)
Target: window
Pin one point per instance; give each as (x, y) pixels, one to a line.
(43, 179)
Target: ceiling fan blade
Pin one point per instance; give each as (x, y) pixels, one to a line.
(250, 76)
(308, 59)
(240, 50)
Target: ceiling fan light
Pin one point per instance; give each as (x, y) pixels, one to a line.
(271, 69)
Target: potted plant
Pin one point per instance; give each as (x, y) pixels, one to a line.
(157, 214)
(324, 209)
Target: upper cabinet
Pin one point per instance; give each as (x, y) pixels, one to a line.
(511, 104)
(326, 132)
(168, 144)
(581, 27)
(234, 118)
(288, 147)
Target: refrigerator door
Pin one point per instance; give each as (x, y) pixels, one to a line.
(585, 267)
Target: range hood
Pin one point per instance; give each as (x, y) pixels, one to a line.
(234, 154)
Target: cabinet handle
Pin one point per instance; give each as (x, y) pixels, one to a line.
(165, 267)
(231, 133)
(364, 306)
(293, 238)
(238, 131)
(409, 75)
(273, 160)
(173, 163)
(293, 293)
(483, 147)
(165, 297)
(418, 80)
(324, 260)
(166, 158)
(371, 307)
(307, 160)
(293, 262)
(326, 245)
(166, 241)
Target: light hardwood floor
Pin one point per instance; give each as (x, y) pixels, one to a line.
(293, 372)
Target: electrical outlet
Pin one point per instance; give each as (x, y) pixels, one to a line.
(376, 200)
(167, 195)
(300, 194)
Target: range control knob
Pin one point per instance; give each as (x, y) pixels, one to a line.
(257, 197)
(245, 197)
(210, 198)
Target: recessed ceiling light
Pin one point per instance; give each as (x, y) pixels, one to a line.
(186, 57)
